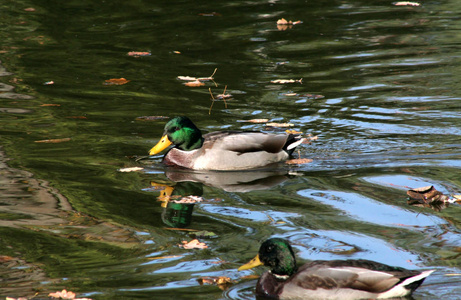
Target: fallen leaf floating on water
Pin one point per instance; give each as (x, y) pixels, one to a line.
(116, 81)
(132, 169)
(292, 131)
(30, 9)
(283, 21)
(426, 194)
(194, 83)
(222, 97)
(283, 24)
(48, 82)
(429, 197)
(20, 298)
(176, 52)
(290, 94)
(53, 141)
(190, 78)
(406, 3)
(298, 161)
(221, 281)
(138, 53)
(66, 295)
(255, 121)
(194, 244)
(187, 78)
(283, 81)
(280, 124)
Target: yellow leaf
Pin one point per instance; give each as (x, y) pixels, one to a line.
(53, 141)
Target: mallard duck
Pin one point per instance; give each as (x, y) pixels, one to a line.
(222, 150)
(336, 279)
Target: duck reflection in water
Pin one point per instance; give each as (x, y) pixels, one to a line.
(178, 199)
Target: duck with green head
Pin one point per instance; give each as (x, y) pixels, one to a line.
(336, 279)
(222, 150)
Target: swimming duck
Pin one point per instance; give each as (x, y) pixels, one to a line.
(336, 279)
(222, 150)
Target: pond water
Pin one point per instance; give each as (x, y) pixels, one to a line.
(389, 120)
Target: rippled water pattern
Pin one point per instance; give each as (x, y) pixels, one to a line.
(389, 120)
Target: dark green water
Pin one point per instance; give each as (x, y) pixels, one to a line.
(390, 120)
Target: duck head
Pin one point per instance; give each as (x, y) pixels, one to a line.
(182, 133)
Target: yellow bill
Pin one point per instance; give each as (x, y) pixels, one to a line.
(251, 264)
(161, 145)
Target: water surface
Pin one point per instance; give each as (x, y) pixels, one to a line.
(389, 121)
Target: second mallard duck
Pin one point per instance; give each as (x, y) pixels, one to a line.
(336, 279)
(222, 150)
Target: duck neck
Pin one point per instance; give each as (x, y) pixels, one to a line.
(195, 142)
(285, 267)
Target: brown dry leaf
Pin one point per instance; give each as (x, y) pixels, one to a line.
(50, 104)
(406, 3)
(290, 94)
(31, 9)
(20, 298)
(426, 194)
(53, 141)
(48, 82)
(283, 81)
(176, 52)
(256, 121)
(299, 161)
(138, 53)
(194, 83)
(280, 124)
(116, 81)
(151, 118)
(194, 244)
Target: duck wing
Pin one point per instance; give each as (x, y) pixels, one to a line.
(246, 141)
(361, 275)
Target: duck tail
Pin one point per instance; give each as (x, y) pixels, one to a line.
(414, 282)
(292, 142)
(406, 286)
